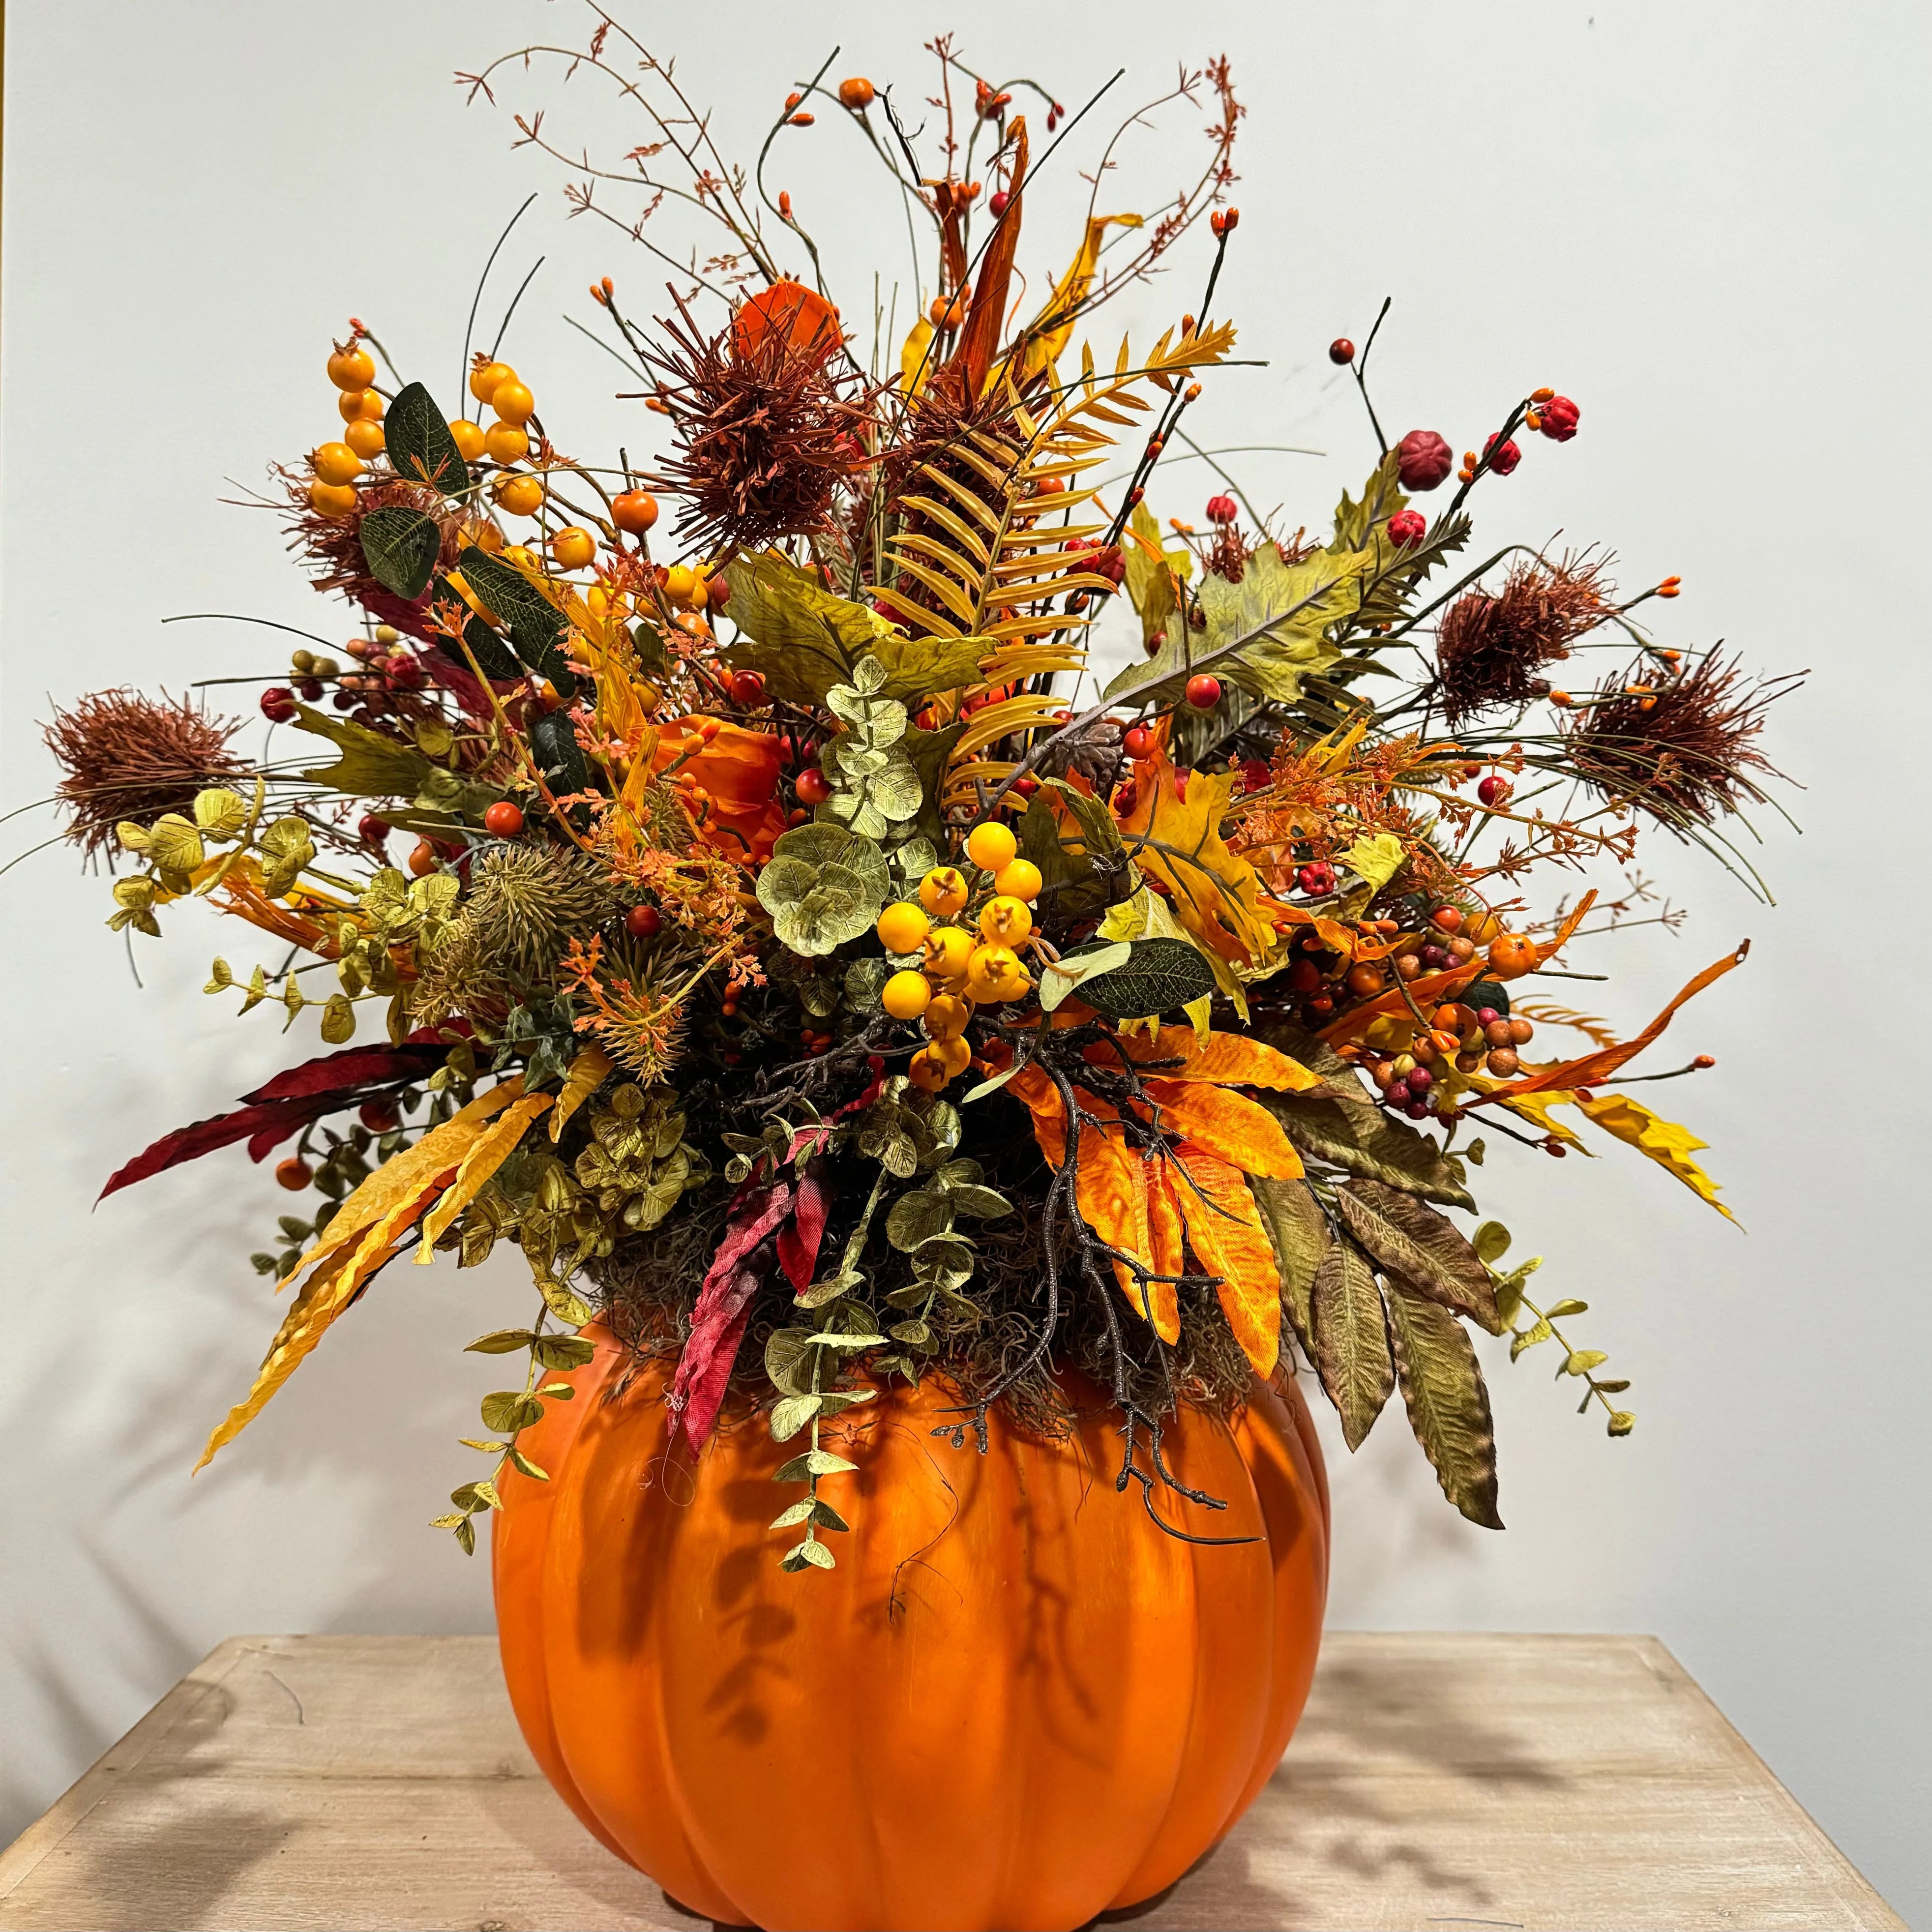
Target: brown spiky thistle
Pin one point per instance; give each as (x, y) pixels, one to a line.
(1682, 752)
(124, 755)
(769, 429)
(1489, 648)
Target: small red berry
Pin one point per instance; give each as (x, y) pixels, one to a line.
(503, 820)
(1446, 919)
(379, 1116)
(1256, 775)
(1422, 459)
(996, 202)
(1317, 880)
(293, 1173)
(422, 859)
(748, 688)
(1138, 743)
(1494, 790)
(1406, 527)
(643, 921)
(813, 787)
(278, 704)
(1504, 457)
(1559, 418)
(1026, 785)
(1221, 509)
(1704, 1059)
(372, 829)
(1341, 351)
(1204, 692)
(1555, 1147)
(311, 688)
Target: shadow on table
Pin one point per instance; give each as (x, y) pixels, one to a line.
(1316, 1815)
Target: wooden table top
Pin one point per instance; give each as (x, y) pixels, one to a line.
(1445, 1783)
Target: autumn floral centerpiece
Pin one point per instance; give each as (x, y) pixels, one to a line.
(723, 871)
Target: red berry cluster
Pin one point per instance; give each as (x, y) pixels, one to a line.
(1317, 879)
(1424, 459)
(1407, 527)
(1221, 509)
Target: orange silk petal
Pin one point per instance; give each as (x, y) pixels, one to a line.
(1226, 1229)
(1229, 1126)
(739, 770)
(801, 315)
(1600, 1065)
(1158, 1301)
(1226, 1059)
(1164, 1226)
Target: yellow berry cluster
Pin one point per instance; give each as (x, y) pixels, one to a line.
(338, 463)
(964, 966)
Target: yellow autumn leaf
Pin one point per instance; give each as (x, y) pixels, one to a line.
(1225, 1227)
(588, 1072)
(486, 1153)
(326, 1294)
(1376, 860)
(1068, 292)
(915, 358)
(1667, 1144)
(439, 1153)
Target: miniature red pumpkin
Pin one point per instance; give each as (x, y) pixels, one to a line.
(1014, 1703)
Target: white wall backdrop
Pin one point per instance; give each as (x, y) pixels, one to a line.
(1706, 224)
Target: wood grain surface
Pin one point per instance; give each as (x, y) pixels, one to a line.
(1441, 1783)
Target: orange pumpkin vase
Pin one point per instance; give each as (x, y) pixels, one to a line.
(1014, 1703)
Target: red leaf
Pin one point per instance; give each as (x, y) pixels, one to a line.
(339, 1073)
(800, 1238)
(266, 1124)
(703, 1393)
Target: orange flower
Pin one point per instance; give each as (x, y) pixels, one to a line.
(738, 771)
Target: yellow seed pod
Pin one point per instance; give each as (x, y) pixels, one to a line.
(1005, 922)
(907, 995)
(902, 927)
(1019, 879)
(331, 499)
(991, 846)
(952, 1054)
(948, 949)
(989, 969)
(943, 889)
(928, 1074)
(520, 496)
(948, 1016)
(336, 462)
(506, 443)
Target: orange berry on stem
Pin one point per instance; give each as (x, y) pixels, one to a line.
(365, 437)
(573, 548)
(513, 402)
(486, 378)
(635, 511)
(468, 438)
(294, 1173)
(352, 368)
(422, 859)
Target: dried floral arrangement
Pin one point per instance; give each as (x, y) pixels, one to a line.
(800, 954)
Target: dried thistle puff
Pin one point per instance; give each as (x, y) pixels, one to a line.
(127, 758)
(1683, 750)
(770, 428)
(1489, 648)
(527, 902)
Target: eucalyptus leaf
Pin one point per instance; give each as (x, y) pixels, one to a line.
(417, 439)
(1159, 975)
(401, 547)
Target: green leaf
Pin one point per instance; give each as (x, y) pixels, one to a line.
(1417, 1245)
(1061, 978)
(814, 1462)
(917, 1217)
(980, 1204)
(1361, 1138)
(562, 1302)
(1281, 609)
(537, 627)
(401, 547)
(494, 659)
(803, 639)
(529, 1468)
(1351, 1344)
(1448, 1404)
(815, 1554)
(823, 886)
(796, 1514)
(1377, 860)
(1581, 1361)
(416, 438)
(501, 1341)
(1159, 976)
(1621, 1422)
(1298, 1230)
(559, 756)
(1491, 1241)
(509, 1410)
(1382, 497)
(562, 1351)
(1568, 1307)
(1527, 1338)
(368, 764)
(338, 1019)
(791, 1415)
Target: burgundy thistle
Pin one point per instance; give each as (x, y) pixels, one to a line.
(1422, 459)
(1406, 528)
(1502, 459)
(1683, 750)
(1558, 419)
(123, 756)
(1489, 648)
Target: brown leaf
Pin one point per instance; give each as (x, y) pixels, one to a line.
(1299, 1230)
(1448, 1403)
(1363, 1139)
(1351, 1344)
(1416, 1244)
